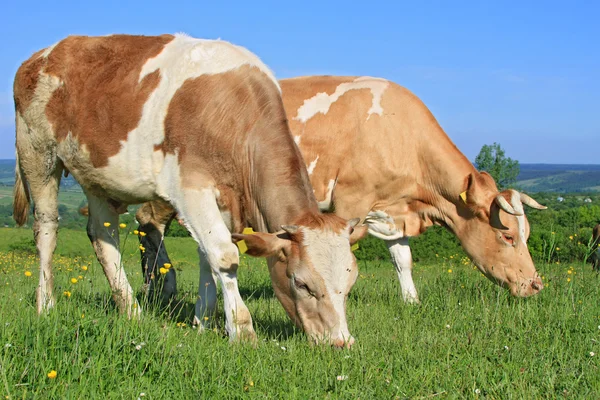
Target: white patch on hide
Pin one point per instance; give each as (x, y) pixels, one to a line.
(312, 166)
(181, 59)
(48, 50)
(321, 102)
(382, 226)
(325, 205)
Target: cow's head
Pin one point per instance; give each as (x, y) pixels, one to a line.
(495, 234)
(312, 270)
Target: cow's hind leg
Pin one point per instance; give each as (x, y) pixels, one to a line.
(44, 192)
(154, 218)
(104, 233)
(402, 259)
(207, 294)
(203, 218)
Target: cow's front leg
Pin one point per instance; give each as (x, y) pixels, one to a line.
(203, 218)
(402, 260)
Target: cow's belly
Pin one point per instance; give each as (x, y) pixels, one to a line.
(129, 177)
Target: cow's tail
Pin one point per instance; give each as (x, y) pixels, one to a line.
(21, 201)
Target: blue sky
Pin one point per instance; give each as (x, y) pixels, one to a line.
(524, 74)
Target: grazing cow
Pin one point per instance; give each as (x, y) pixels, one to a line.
(374, 150)
(199, 124)
(595, 257)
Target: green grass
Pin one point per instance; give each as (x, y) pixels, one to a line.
(467, 339)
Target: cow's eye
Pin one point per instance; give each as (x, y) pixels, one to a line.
(509, 239)
(303, 287)
(300, 285)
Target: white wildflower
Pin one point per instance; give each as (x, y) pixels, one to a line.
(592, 354)
(283, 348)
(342, 377)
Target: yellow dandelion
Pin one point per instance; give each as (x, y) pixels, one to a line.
(142, 234)
(80, 277)
(82, 315)
(142, 248)
(52, 374)
(122, 225)
(553, 233)
(106, 224)
(571, 237)
(28, 273)
(136, 232)
(84, 268)
(449, 271)
(73, 280)
(66, 293)
(206, 318)
(558, 249)
(167, 265)
(569, 272)
(163, 271)
(568, 279)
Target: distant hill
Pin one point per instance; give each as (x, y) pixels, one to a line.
(7, 177)
(560, 178)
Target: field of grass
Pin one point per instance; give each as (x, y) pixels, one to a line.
(467, 339)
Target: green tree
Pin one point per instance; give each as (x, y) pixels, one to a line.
(493, 160)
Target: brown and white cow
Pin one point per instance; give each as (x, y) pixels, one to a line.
(199, 124)
(374, 150)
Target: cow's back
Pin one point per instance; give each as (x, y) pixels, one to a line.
(364, 136)
(116, 107)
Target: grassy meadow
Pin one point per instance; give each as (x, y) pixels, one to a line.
(467, 339)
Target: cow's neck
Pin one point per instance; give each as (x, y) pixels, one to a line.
(280, 189)
(447, 170)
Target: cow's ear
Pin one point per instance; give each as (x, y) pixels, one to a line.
(480, 189)
(357, 232)
(260, 244)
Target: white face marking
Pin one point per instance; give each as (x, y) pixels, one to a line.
(325, 205)
(321, 102)
(515, 202)
(382, 226)
(312, 166)
(330, 255)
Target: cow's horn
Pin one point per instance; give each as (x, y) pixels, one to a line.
(501, 201)
(525, 199)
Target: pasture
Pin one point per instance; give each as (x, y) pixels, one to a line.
(467, 339)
